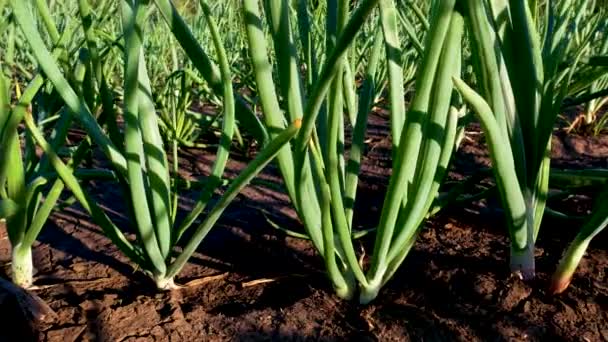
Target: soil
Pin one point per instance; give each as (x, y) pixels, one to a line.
(251, 282)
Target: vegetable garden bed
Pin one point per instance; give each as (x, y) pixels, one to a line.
(251, 282)
(228, 170)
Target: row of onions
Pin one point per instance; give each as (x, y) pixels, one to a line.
(317, 71)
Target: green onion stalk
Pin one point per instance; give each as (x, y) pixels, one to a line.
(575, 252)
(573, 179)
(141, 165)
(28, 190)
(320, 176)
(523, 79)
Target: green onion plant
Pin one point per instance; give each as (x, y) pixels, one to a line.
(320, 175)
(591, 24)
(597, 221)
(29, 190)
(524, 76)
(137, 155)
